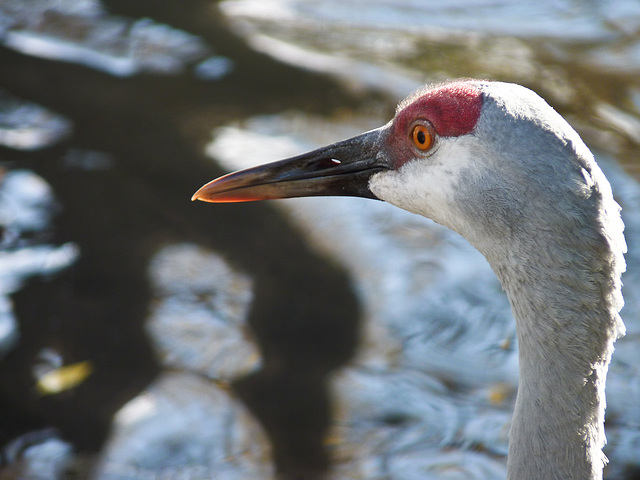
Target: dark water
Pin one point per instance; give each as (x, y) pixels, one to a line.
(151, 130)
(154, 129)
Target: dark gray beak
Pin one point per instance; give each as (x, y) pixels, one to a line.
(343, 168)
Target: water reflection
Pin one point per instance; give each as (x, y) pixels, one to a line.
(27, 126)
(184, 427)
(198, 314)
(182, 309)
(26, 206)
(82, 32)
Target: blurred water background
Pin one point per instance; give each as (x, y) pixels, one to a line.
(143, 336)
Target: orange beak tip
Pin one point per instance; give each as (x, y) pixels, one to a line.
(199, 195)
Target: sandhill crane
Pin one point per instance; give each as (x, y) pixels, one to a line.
(495, 163)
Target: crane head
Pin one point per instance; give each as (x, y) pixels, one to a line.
(497, 164)
(474, 156)
(345, 168)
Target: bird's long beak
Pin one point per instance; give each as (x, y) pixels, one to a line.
(343, 168)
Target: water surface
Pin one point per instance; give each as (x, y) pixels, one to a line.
(314, 338)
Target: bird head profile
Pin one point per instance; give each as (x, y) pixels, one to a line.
(495, 163)
(489, 160)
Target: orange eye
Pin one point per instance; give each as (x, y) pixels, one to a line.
(421, 137)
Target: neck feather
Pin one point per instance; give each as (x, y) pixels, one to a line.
(566, 301)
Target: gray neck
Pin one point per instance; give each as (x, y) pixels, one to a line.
(565, 304)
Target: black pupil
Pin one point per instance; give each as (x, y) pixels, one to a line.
(421, 137)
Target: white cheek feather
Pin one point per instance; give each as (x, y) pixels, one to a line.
(427, 185)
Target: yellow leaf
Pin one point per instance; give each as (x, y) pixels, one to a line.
(64, 378)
